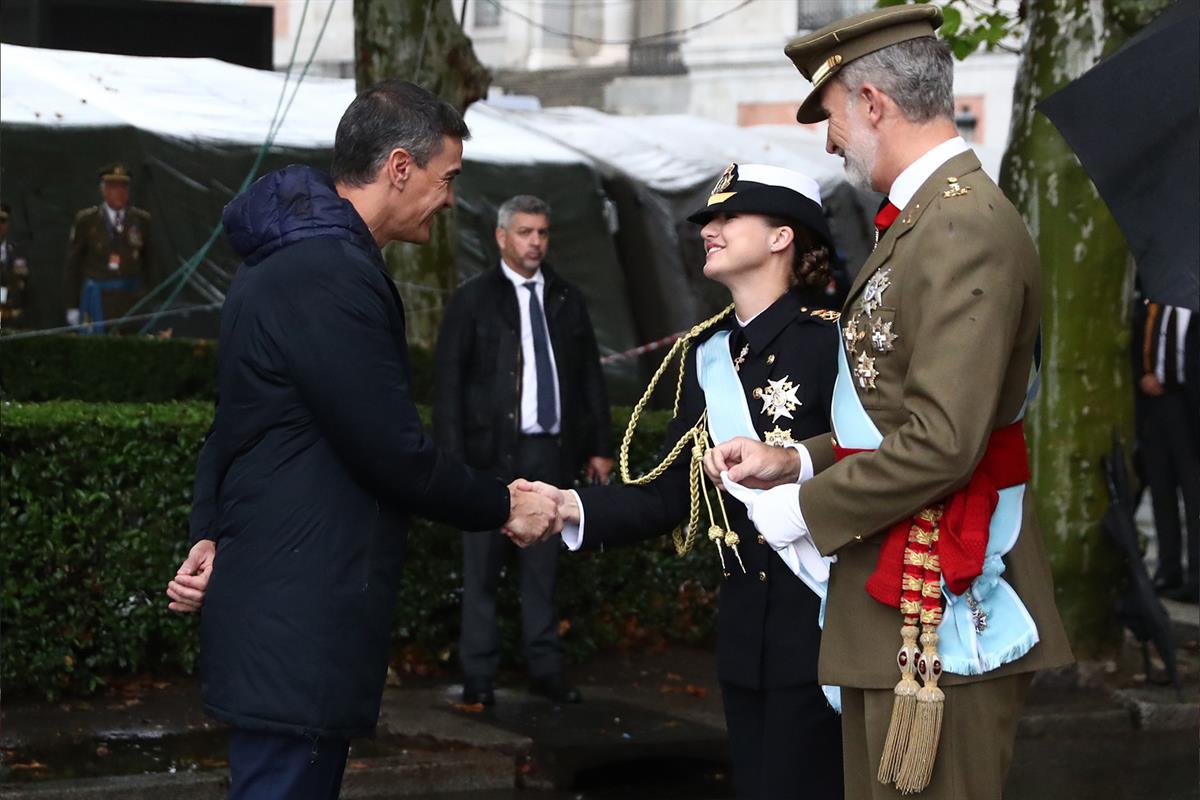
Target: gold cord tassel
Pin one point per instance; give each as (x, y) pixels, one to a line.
(904, 707)
(917, 767)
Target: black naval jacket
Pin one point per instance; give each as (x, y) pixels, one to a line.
(768, 636)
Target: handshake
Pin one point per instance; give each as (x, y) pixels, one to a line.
(538, 511)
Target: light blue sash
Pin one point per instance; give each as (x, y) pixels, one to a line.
(729, 417)
(1000, 630)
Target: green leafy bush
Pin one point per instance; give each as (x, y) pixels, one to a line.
(128, 369)
(93, 519)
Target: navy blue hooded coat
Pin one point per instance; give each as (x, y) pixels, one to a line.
(314, 463)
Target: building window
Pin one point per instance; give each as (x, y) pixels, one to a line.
(487, 14)
(819, 13)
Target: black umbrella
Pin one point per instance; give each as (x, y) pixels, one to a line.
(1134, 121)
(1138, 607)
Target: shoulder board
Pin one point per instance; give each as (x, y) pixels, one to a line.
(825, 314)
(139, 212)
(84, 213)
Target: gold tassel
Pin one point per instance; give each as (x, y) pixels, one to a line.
(903, 707)
(917, 766)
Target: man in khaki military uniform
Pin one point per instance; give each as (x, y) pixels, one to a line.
(939, 333)
(108, 257)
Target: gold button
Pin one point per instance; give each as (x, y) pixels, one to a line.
(762, 576)
(771, 358)
(757, 394)
(761, 540)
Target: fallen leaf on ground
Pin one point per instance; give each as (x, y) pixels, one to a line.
(469, 708)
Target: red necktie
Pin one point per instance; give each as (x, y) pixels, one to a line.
(886, 216)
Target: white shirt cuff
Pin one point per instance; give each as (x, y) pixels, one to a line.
(572, 532)
(806, 465)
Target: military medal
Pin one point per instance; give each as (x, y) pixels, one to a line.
(864, 371)
(779, 437)
(852, 334)
(882, 338)
(135, 236)
(779, 399)
(872, 294)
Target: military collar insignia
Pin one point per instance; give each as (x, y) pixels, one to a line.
(779, 399)
(955, 188)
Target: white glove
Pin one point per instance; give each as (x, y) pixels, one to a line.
(72, 316)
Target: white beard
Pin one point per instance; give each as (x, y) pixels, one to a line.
(859, 156)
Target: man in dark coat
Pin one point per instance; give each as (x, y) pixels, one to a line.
(317, 458)
(519, 393)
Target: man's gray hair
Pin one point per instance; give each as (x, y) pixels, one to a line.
(918, 74)
(521, 204)
(390, 115)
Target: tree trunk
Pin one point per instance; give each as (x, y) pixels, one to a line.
(1087, 391)
(420, 41)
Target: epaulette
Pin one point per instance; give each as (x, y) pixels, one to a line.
(826, 314)
(86, 212)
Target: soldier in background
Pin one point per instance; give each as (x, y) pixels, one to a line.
(108, 257)
(14, 274)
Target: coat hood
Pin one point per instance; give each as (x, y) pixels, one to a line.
(288, 206)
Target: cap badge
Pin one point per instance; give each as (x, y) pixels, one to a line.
(726, 179)
(822, 72)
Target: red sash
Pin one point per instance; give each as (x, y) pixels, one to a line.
(963, 535)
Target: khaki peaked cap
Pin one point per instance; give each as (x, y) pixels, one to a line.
(820, 54)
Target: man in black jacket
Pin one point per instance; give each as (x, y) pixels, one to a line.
(1167, 380)
(316, 458)
(518, 391)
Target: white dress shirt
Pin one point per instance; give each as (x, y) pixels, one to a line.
(116, 219)
(1183, 316)
(529, 386)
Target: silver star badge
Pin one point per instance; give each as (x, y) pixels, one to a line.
(882, 338)
(779, 399)
(872, 294)
(865, 372)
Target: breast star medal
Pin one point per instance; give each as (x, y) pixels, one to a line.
(779, 437)
(872, 294)
(852, 333)
(882, 338)
(864, 371)
(779, 399)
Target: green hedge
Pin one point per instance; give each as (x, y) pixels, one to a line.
(127, 369)
(94, 509)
